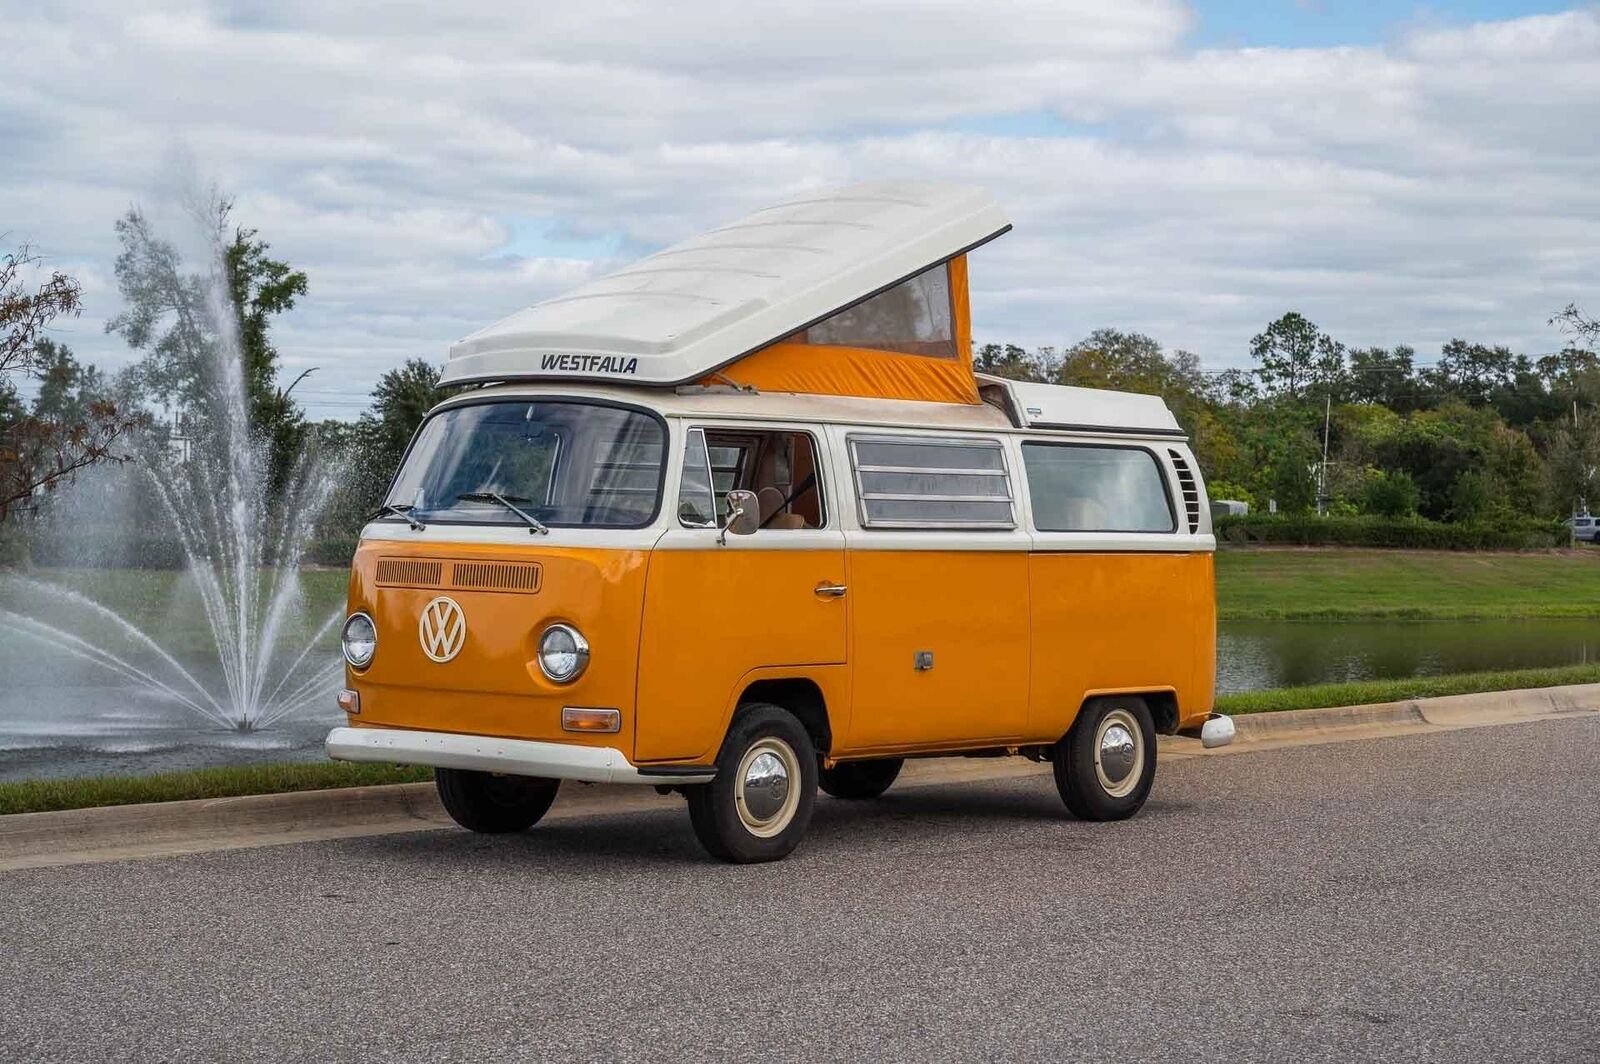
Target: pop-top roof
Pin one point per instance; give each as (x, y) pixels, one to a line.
(1059, 406)
(690, 310)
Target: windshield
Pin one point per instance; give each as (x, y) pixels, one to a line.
(565, 463)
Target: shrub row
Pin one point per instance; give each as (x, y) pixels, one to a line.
(1415, 533)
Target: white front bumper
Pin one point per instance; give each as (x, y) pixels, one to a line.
(484, 753)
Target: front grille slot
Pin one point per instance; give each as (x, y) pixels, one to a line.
(409, 572)
(496, 576)
(1189, 489)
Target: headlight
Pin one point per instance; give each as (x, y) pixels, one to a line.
(563, 653)
(360, 640)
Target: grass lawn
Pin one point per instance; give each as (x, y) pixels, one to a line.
(42, 796)
(1336, 584)
(163, 602)
(1367, 692)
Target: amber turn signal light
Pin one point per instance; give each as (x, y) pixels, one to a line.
(578, 718)
(350, 701)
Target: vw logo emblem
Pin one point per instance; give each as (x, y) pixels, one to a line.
(443, 629)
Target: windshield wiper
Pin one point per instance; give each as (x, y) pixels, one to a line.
(534, 524)
(403, 512)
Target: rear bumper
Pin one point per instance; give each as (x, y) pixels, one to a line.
(516, 757)
(1218, 730)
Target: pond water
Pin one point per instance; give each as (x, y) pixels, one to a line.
(1252, 655)
(62, 718)
(58, 720)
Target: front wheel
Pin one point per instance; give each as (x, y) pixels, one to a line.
(860, 779)
(1107, 762)
(760, 804)
(483, 801)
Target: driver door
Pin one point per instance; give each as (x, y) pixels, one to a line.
(719, 607)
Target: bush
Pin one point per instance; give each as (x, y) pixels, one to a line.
(1393, 495)
(1415, 533)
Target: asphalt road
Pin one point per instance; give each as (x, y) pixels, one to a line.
(1419, 898)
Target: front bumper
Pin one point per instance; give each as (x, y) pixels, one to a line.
(516, 757)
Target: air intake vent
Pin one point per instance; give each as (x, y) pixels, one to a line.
(1190, 489)
(496, 576)
(409, 572)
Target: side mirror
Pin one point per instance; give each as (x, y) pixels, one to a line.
(744, 514)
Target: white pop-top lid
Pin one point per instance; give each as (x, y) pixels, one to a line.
(689, 310)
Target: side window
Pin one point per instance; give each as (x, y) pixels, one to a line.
(931, 482)
(780, 467)
(697, 501)
(914, 318)
(1086, 488)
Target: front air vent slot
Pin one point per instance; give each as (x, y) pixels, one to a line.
(1189, 489)
(496, 576)
(409, 572)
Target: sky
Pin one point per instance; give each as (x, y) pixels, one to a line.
(1401, 173)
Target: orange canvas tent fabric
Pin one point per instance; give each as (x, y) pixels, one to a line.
(796, 365)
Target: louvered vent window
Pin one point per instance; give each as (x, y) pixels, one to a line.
(931, 482)
(1189, 489)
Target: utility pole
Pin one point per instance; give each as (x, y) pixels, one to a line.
(1322, 467)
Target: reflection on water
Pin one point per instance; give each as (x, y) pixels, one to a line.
(1252, 655)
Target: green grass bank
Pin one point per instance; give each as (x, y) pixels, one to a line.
(50, 795)
(1315, 584)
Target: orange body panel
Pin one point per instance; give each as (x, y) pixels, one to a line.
(713, 617)
(970, 610)
(1018, 641)
(494, 686)
(1119, 622)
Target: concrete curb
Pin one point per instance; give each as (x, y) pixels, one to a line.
(1301, 726)
(113, 833)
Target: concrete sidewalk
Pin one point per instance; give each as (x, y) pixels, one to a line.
(115, 833)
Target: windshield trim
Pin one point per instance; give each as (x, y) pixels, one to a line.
(566, 400)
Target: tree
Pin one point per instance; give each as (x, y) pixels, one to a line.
(373, 446)
(1293, 357)
(171, 317)
(402, 398)
(1391, 495)
(1584, 330)
(1383, 377)
(1012, 362)
(1474, 372)
(65, 432)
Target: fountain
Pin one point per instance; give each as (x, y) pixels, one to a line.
(242, 545)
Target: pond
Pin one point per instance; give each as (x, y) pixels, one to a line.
(1252, 655)
(57, 719)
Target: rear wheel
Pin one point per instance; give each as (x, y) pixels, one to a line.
(483, 801)
(860, 779)
(759, 806)
(1107, 762)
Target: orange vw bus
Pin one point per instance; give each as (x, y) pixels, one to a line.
(741, 522)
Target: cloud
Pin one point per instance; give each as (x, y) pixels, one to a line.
(434, 170)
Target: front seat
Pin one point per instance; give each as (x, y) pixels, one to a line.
(771, 502)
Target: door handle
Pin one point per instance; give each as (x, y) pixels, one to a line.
(830, 590)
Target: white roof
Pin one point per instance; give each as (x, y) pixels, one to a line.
(1058, 406)
(1088, 406)
(689, 310)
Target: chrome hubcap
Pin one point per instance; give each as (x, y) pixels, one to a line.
(1118, 753)
(765, 790)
